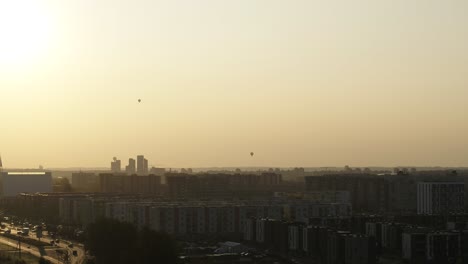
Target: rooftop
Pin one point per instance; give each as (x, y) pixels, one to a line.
(26, 173)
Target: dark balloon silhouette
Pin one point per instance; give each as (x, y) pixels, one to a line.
(139, 100)
(251, 154)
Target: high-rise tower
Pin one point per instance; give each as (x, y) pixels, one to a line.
(116, 165)
(142, 165)
(130, 169)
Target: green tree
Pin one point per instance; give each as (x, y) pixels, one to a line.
(114, 242)
(111, 241)
(156, 247)
(44, 261)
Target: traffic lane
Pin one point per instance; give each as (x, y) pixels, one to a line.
(24, 248)
(79, 259)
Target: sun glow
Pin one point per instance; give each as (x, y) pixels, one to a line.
(25, 32)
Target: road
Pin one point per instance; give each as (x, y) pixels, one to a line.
(24, 248)
(49, 253)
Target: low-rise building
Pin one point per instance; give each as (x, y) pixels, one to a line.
(14, 183)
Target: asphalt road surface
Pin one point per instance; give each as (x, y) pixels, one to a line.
(48, 252)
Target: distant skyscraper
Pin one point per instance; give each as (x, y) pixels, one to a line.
(140, 159)
(142, 165)
(116, 165)
(145, 166)
(131, 168)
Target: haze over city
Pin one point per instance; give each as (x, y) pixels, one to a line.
(233, 132)
(302, 83)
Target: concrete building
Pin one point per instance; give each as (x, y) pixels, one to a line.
(78, 211)
(221, 185)
(178, 218)
(360, 250)
(440, 197)
(303, 211)
(414, 245)
(250, 230)
(131, 167)
(295, 238)
(145, 167)
(142, 165)
(388, 235)
(14, 183)
(442, 246)
(190, 186)
(110, 183)
(157, 171)
(368, 193)
(402, 189)
(207, 218)
(116, 166)
(83, 181)
(336, 247)
(328, 196)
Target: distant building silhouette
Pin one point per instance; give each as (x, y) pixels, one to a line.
(158, 171)
(116, 165)
(184, 185)
(368, 192)
(131, 167)
(84, 181)
(111, 183)
(142, 165)
(14, 183)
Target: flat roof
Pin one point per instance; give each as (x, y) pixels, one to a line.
(26, 173)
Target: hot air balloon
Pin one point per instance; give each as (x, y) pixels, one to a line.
(251, 154)
(139, 100)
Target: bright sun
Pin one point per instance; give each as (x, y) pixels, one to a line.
(25, 31)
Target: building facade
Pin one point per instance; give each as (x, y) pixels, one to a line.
(14, 183)
(440, 197)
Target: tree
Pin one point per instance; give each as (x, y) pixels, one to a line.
(111, 241)
(156, 247)
(114, 242)
(61, 184)
(44, 261)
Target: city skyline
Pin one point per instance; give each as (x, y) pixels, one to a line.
(308, 83)
(245, 131)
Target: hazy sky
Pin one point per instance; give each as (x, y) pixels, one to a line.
(300, 83)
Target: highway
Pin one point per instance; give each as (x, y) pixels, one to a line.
(24, 248)
(48, 252)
